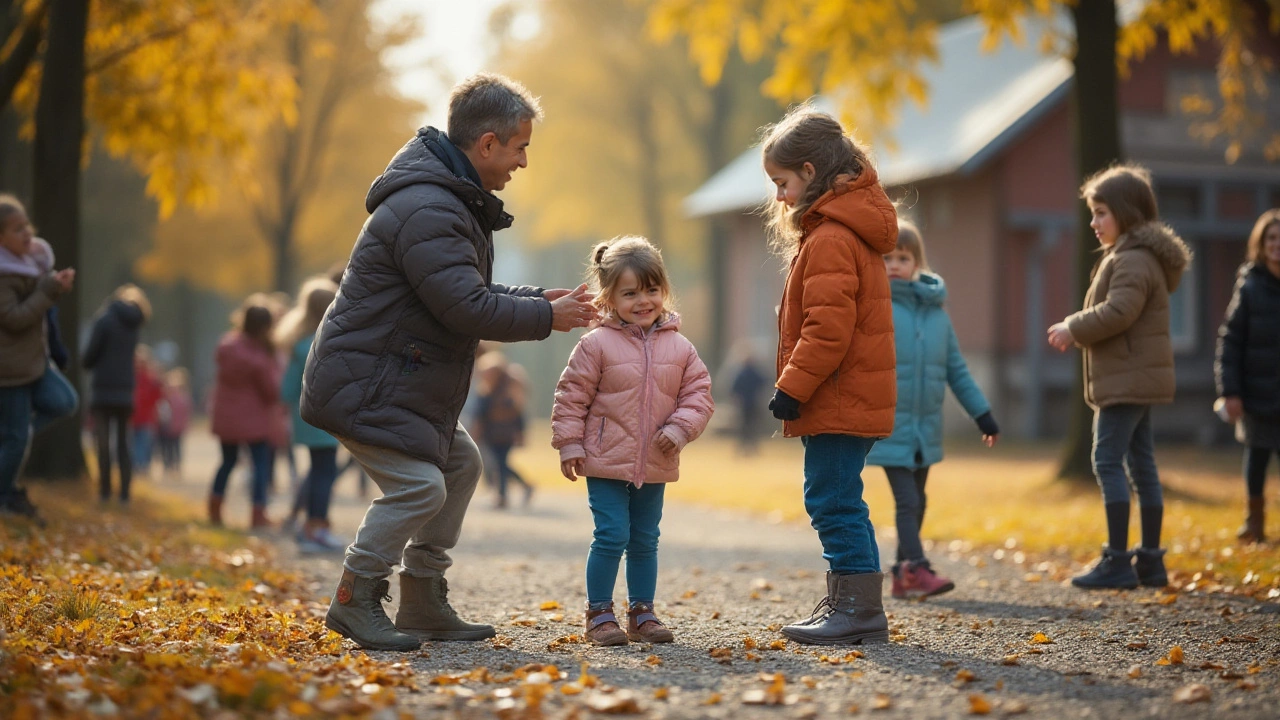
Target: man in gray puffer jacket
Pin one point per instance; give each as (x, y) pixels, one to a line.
(391, 364)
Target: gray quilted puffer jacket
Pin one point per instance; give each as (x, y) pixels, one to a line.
(391, 362)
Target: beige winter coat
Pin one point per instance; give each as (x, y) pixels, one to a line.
(1124, 326)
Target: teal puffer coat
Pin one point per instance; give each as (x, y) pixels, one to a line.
(291, 395)
(929, 360)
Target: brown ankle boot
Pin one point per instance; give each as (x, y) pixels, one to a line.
(854, 613)
(602, 627)
(215, 510)
(644, 626)
(1254, 528)
(259, 520)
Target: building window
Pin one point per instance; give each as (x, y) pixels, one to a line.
(1182, 311)
(1179, 201)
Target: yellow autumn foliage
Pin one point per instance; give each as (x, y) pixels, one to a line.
(870, 53)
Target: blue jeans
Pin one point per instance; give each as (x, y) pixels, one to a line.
(319, 482)
(833, 498)
(261, 456)
(24, 411)
(1123, 438)
(627, 520)
(143, 440)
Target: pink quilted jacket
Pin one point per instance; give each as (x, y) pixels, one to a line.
(621, 389)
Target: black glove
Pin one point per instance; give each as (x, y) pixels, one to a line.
(784, 407)
(987, 424)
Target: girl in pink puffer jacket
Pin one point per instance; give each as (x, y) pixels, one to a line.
(634, 394)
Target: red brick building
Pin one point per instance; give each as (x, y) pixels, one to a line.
(987, 172)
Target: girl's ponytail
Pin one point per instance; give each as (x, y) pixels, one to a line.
(597, 253)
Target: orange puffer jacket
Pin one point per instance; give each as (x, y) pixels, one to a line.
(835, 324)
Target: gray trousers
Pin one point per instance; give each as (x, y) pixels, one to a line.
(910, 500)
(1123, 439)
(418, 519)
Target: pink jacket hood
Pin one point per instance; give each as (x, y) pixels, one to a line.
(621, 389)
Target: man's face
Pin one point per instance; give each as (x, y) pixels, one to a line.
(496, 161)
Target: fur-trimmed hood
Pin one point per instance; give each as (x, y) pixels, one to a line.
(1164, 243)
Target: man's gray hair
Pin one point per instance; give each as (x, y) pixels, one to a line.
(488, 102)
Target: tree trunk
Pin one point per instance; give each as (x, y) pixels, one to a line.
(1096, 110)
(648, 175)
(716, 140)
(282, 250)
(56, 205)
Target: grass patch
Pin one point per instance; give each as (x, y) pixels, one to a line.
(1001, 504)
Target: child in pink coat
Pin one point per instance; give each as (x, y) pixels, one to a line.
(634, 394)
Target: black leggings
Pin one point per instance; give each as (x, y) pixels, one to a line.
(103, 416)
(1255, 468)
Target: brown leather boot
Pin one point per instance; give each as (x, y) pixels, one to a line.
(644, 626)
(259, 520)
(602, 627)
(853, 613)
(215, 509)
(1255, 523)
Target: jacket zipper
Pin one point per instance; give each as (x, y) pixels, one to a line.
(644, 414)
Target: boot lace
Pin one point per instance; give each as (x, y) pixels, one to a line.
(444, 600)
(382, 593)
(825, 606)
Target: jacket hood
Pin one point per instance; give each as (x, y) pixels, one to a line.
(432, 159)
(669, 321)
(34, 264)
(929, 290)
(1164, 243)
(861, 205)
(127, 313)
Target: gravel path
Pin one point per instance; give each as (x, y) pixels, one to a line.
(727, 581)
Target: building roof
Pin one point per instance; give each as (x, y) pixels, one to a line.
(978, 103)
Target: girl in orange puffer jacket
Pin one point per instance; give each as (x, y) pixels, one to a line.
(836, 386)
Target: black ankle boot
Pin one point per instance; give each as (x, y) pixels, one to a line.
(1148, 564)
(1114, 570)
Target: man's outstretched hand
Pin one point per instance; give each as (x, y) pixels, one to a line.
(570, 308)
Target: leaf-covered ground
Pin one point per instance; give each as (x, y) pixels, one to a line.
(148, 612)
(142, 612)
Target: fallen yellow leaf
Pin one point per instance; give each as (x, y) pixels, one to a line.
(978, 705)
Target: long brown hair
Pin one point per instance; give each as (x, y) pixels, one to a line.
(1253, 251)
(304, 317)
(255, 319)
(1126, 191)
(611, 258)
(806, 135)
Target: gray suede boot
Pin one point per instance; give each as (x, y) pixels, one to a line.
(357, 613)
(851, 614)
(426, 613)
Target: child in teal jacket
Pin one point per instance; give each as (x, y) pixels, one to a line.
(929, 361)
